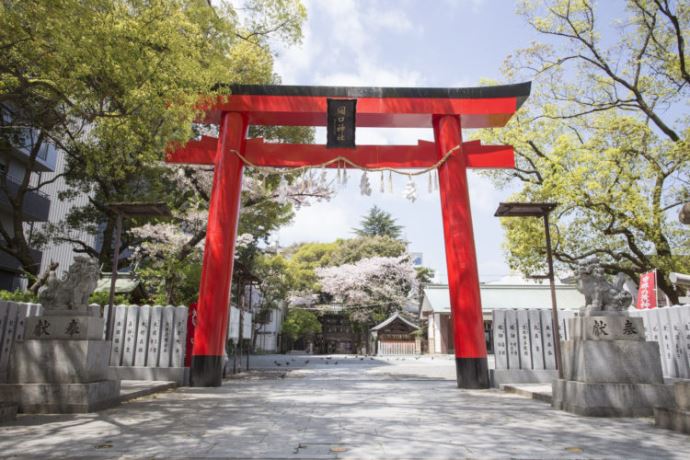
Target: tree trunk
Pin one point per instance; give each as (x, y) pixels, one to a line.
(667, 288)
(44, 277)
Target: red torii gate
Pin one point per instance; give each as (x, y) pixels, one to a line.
(445, 110)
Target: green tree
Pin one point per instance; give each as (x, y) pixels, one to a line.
(355, 249)
(378, 223)
(300, 324)
(598, 137)
(304, 259)
(116, 81)
(424, 277)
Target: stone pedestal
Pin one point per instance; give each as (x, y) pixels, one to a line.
(609, 369)
(61, 366)
(677, 416)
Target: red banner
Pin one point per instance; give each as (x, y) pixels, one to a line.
(646, 294)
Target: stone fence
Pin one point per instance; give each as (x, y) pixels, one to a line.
(147, 340)
(148, 335)
(12, 318)
(523, 338)
(670, 326)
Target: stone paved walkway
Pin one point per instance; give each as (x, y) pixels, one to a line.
(353, 409)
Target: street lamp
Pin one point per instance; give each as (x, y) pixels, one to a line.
(540, 210)
(121, 211)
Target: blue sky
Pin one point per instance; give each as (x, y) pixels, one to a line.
(446, 43)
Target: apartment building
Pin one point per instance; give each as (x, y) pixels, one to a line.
(14, 158)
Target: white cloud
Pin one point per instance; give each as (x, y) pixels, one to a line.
(293, 61)
(393, 20)
(319, 222)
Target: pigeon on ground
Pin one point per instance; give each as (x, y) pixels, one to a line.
(287, 363)
(282, 376)
(361, 359)
(306, 362)
(335, 363)
(278, 364)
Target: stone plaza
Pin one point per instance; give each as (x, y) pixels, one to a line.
(292, 406)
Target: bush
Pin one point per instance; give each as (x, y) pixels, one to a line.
(18, 296)
(301, 323)
(101, 298)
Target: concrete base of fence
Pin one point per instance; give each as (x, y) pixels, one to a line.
(676, 418)
(8, 412)
(611, 399)
(179, 375)
(672, 419)
(502, 376)
(62, 398)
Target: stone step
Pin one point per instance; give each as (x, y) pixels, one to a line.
(8, 411)
(672, 419)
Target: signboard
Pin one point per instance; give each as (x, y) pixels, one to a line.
(246, 325)
(646, 294)
(234, 324)
(341, 123)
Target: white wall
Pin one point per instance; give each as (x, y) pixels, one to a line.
(62, 253)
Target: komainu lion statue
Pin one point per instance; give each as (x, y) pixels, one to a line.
(72, 292)
(600, 295)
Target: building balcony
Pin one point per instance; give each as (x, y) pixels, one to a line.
(10, 264)
(21, 150)
(36, 204)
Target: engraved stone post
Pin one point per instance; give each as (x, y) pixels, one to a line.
(500, 342)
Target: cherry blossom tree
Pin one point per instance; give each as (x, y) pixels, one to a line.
(370, 289)
(166, 249)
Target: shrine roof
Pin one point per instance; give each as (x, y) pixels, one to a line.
(519, 90)
(403, 107)
(391, 319)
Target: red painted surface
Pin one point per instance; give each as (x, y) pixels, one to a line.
(371, 112)
(422, 155)
(201, 152)
(461, 258)
(214, 290)
(646, 293)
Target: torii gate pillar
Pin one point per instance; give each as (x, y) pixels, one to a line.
(461, 258)
(221, 232)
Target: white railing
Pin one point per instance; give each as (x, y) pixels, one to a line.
(397, 347)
